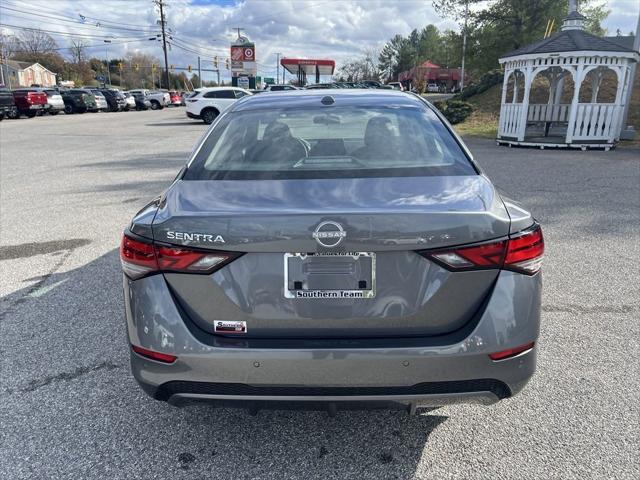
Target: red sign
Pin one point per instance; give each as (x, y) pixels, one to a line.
(243, 53)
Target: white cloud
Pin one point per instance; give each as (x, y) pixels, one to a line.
(334, 29)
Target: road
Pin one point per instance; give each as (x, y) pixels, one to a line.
(69, 408)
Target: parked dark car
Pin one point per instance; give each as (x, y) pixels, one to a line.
(7, 104)
(30, 101)
(142, 102)
(77, 100)
(320, 86)
(116, 100)
(372, 84)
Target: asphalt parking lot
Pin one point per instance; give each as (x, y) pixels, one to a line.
(70, 409)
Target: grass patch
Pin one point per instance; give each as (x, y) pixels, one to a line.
(478, 124)
(483, 121)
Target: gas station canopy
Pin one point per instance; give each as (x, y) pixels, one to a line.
(303, 67)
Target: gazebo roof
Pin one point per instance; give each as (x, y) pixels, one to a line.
(573, 41)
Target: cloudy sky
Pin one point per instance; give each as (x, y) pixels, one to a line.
(295, 28)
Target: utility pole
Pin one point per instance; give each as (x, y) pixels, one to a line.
(278, 66)
(2, 66)
(160, 4)
(464, 42)
(106, 52)
(199, 72)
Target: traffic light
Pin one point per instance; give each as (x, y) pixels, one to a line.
(189, 68)
(215, 62)
(153, 67)
(172, 67)
(120, 66)
(226, 64)
(136, 66)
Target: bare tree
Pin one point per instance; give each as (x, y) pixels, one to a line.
(364, 67)
(77, 50)
(9, 44)
(37, 42)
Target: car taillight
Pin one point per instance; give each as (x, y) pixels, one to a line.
(137, 258)
(526, 251)
(511, 352)
(140, 258)
(522, 252)
(153, 355)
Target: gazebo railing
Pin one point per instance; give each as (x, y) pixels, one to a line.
(595, 121)
(590, 121)
(510, 114)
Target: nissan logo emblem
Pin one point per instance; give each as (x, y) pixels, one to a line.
(329, 234)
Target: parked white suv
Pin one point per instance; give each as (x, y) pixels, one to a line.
(207, 103)
(159, 99)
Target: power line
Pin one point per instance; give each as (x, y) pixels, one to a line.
(117, 23)
(194, 49)
(67, 34)
(67, 20)
(138, 26)
(97, 45)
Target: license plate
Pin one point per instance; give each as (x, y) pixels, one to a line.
(349, 275)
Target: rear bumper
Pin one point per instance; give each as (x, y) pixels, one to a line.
(433, 394)
(438, 372)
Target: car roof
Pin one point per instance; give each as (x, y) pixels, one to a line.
(341, 97)
(212, 89)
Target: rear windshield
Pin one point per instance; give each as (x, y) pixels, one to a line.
(334, 142)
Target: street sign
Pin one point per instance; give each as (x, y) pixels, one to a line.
(269, 80)
(243, 82)
(101, 78)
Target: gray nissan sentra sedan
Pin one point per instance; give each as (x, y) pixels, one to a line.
(334, 248)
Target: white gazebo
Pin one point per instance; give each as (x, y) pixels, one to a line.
(580, 118)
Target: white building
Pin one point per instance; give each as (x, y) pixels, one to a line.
(24, 74)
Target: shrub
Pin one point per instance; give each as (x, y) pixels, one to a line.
(486, 81)
(455, 111)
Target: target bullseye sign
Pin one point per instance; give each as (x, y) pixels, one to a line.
(243, 53)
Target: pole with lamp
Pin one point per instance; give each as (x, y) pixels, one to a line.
(106, 54)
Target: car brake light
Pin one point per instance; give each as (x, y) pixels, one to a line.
(153, 355)
(526, 251)
(511, 352)
(140, 258)
(137, 258)
(522, 252)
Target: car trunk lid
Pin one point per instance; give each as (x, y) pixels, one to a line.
(286, 229)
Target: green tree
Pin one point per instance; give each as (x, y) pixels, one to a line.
(496, 27)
